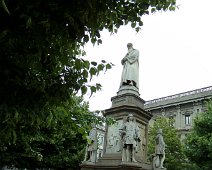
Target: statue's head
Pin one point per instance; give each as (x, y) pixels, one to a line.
(160, 131)
(130, 117)
(129, 45)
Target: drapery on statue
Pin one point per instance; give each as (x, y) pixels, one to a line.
(130, 138)
(159, 150)
(130, 73)
(91, 149)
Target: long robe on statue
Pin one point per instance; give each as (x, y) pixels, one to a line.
(160, 144)
(130, 67)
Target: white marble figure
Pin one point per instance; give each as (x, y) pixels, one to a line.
(159, 150)
(130, 73)
(130, 139)
(91, 149)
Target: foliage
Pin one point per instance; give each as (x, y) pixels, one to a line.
(199, 143)
(42, 67)
(175, 157)
(58, 142)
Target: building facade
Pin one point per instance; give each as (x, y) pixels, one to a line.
(182, 107)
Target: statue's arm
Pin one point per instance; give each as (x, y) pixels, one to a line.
(133, 56)
(93, 135)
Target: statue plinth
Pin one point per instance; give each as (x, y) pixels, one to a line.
(128, 89)
(129, 99)
(121, 166)
(159, 169)
(122, 105)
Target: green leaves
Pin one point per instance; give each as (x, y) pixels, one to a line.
(94, 63)
(198, 145)
(100, 67)
(42, 49)
(5, 6)
(99, 41)
(86, 38)
(153, 10)
(84, 90)
(95, 88)
(48, 141)
(92, 71)
(29, 22)
(133, 24)
(172, 8)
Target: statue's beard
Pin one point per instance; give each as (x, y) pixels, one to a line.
(130, 49)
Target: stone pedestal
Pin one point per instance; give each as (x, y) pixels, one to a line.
(121, 166)
(127, 90)
(126, 102)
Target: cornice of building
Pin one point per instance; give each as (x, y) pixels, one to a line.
(180, 98)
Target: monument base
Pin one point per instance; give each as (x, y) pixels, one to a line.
(120, 166)
(159, 168)
(126, 103)
(113, 162)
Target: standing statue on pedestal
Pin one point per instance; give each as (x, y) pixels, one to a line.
(159, 150)
(130, 73)
(130, 138)
(91, 149)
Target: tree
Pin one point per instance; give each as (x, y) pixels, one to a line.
(41, 44)
(198, 146)
(57, 143)
(175, 157)
(41, 58)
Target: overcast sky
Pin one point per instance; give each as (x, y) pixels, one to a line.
(175, 53)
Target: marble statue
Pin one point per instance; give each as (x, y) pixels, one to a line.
(130, 138)
(130, 73)
(159, 150)
(91, 149)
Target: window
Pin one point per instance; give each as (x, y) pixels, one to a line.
(187, 119)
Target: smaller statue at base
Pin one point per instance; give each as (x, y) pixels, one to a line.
(130, 138)
(91, 148)
(159, 156)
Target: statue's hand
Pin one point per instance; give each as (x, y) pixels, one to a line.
(123, 61)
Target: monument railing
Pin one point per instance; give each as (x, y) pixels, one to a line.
(179, 95)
